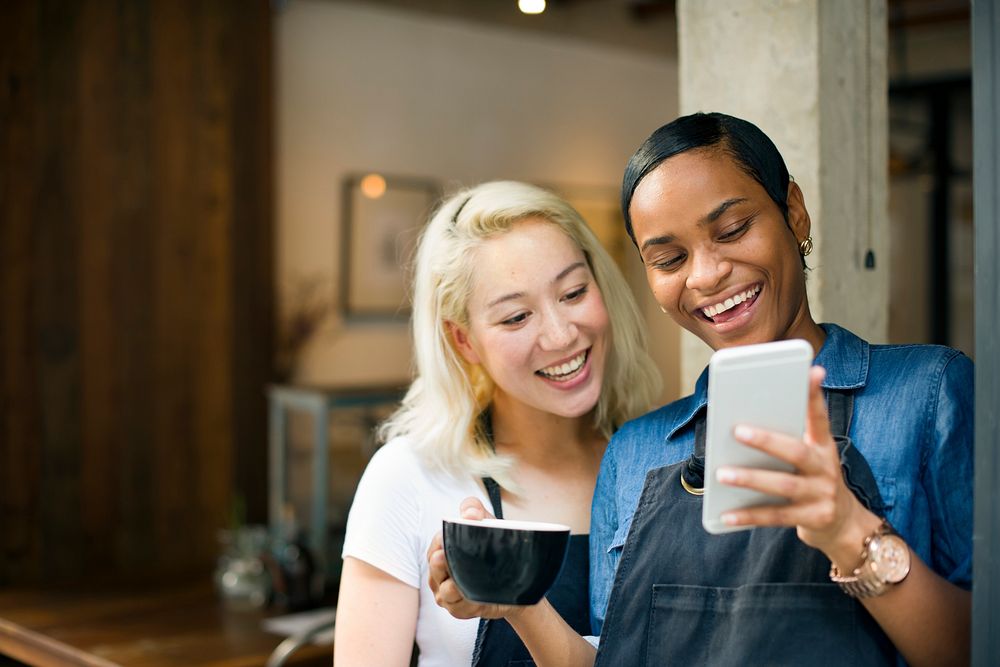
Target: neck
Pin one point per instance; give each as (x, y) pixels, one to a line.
(540, 438)
(805, 327)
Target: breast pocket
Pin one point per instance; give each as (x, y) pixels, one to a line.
(772, 624)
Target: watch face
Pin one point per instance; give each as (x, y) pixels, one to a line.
(890, 558)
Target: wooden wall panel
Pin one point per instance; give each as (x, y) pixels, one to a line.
(55, 241)
(136, 282)
(252, 268)
(98, 82)
(20, 418)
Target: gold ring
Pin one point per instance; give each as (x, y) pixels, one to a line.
(694, 491)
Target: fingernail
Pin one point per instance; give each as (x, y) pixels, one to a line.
(725, 475)
(743, 432)
(729, 519)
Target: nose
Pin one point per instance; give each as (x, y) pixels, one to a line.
(708, 269)
(558, 331)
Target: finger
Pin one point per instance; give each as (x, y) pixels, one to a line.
(783, 447)
(472, 508)
(817, 416)
(438, 567)
(448, 594)
(451, 599)
(806, 515)
(437, 543)
(792, 487)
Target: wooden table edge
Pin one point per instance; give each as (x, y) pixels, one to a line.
(37, 649)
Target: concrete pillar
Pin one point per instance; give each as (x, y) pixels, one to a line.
(812, 75)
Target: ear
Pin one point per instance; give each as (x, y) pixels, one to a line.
(463, 343)
(798, 216)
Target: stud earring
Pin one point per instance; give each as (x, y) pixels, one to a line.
(806, 246)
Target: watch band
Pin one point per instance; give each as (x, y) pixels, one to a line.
(867, 580)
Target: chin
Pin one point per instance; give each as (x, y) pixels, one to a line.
(571, 410)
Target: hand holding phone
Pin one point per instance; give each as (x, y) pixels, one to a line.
(765, 386)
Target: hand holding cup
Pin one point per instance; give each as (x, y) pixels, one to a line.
(446, 591)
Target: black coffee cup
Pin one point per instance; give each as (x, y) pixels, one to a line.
(504, 562)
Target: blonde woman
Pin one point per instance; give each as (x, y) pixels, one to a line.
(529, 353)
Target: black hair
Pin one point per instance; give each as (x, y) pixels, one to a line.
(743, 141)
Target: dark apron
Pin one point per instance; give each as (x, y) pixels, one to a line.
(683, 596)
(497, 645)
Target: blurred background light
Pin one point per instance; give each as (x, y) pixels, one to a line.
(531, 6)
(373, 186)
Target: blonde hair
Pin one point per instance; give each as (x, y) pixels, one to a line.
(441, 411)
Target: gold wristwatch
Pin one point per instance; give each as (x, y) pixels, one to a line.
(885, 561)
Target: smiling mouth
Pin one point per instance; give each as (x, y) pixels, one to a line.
(566, 371)
(727, 310)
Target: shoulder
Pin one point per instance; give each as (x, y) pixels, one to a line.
(903, 368)
(394, 464)
(656, 423)
(398, 453)
(400, 465)
(935, 366)
(653, 429)
(917, 353)
(397, 473)
(924, 394)
(405, 456)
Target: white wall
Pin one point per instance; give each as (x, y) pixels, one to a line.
(363, 88)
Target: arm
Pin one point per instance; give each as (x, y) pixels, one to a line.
(371, 601)
(603, 526)
(925, 616)
(549, 639)
(379, 598)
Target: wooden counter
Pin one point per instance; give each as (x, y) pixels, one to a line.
(166, 627)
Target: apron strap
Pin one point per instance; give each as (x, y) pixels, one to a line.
(493, 490)
(693, 472)
(840, 407)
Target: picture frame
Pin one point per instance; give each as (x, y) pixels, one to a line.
(382, 219)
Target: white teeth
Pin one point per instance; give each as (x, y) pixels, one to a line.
(712, 311)
(571, 366)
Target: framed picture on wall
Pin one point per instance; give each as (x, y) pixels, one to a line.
(382, 217)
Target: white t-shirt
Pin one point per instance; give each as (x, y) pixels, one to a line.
(396, 512)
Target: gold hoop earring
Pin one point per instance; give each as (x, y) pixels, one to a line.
(806, 246)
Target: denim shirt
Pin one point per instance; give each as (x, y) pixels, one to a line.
(913, 416)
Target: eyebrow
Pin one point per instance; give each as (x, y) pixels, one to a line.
(717, 212)
(711, 217)
(517, 295)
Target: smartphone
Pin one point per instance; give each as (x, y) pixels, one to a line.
(766, 386)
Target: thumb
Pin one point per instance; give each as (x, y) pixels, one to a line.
(472, 508)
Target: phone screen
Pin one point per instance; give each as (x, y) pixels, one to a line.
(766, 386)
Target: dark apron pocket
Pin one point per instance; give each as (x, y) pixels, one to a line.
(792, 624)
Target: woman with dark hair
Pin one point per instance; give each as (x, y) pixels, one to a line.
(869, 561)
